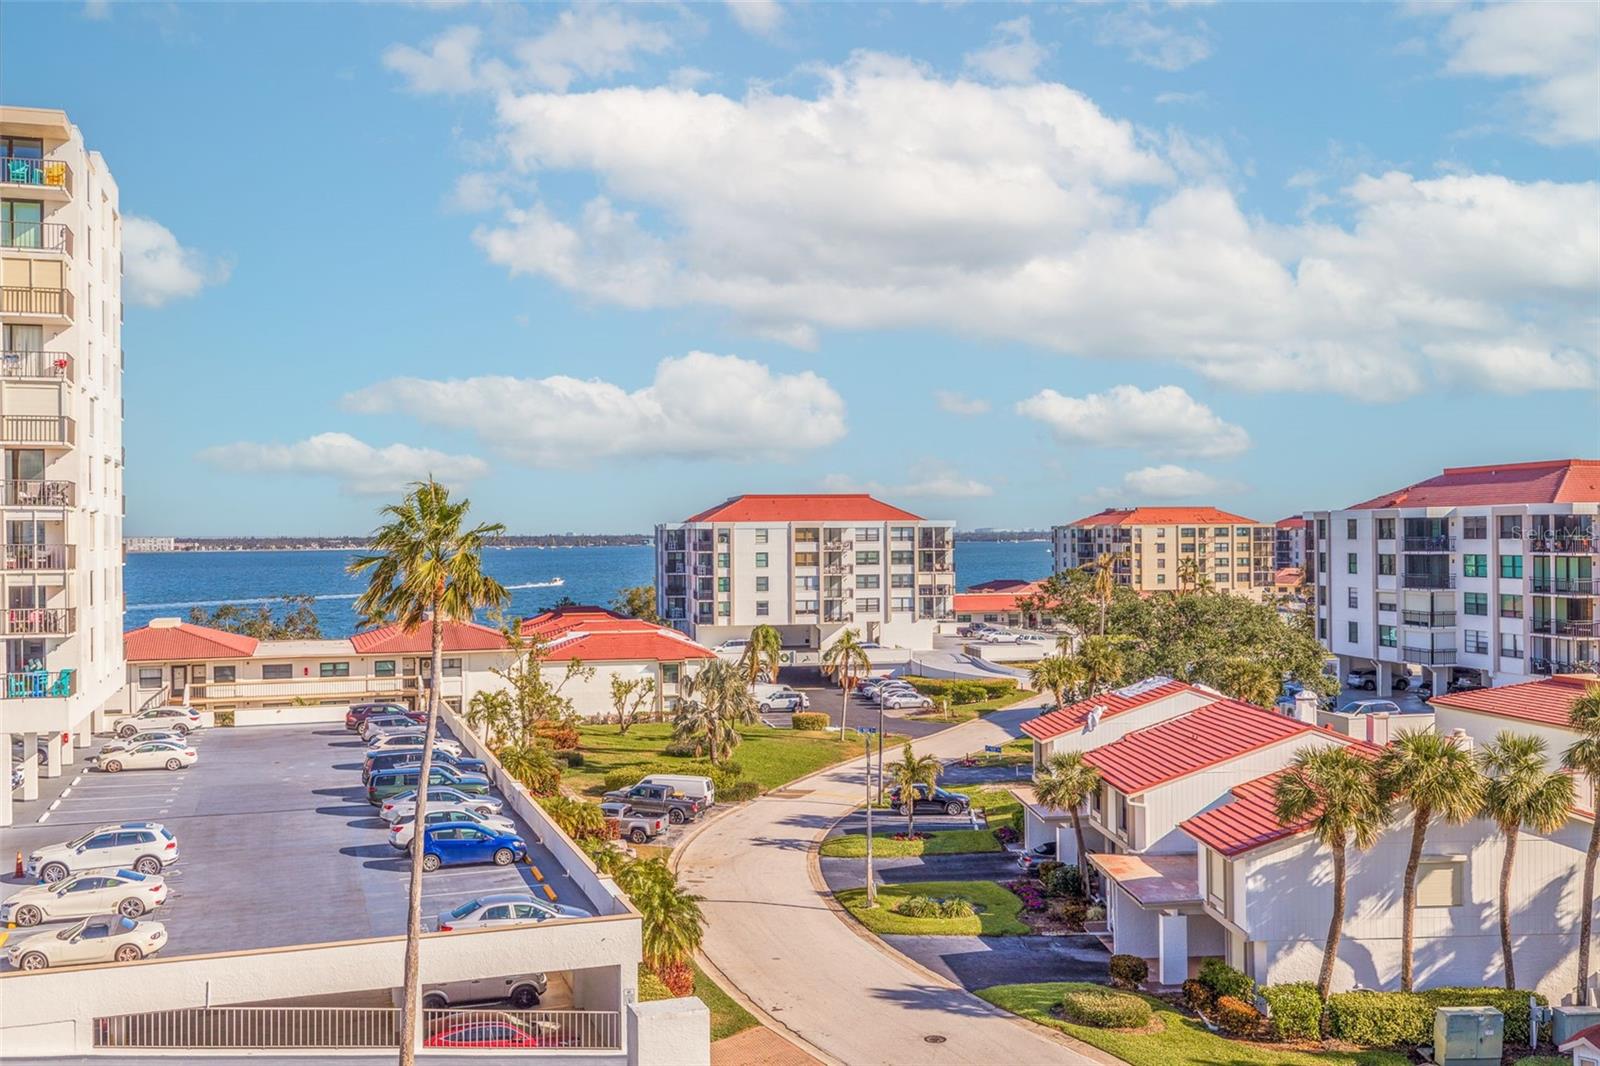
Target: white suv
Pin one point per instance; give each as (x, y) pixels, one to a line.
(182, 719)
(143, 846)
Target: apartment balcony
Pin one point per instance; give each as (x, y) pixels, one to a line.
(37, 493)
(39, 684)
(38, 175)
(51, 305)
(1564, 586)
(1566, 627)
(1430, 656)
(1577, 542)
(839, 616)
(837, 568)
(1430, 544)
(704, 571)
(1429, 619)
(37, 429)
(1428, 581)
(53, 237)
(38, 621)
(1541, 665)
(37, 557)
(44, 366)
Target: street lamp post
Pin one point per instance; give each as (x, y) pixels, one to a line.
(880, 753)
(872, 888)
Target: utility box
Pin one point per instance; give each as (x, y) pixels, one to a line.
(1468, 1036)
(1570, 1021)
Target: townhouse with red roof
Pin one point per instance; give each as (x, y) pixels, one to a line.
(809, 565)
(1152, 546)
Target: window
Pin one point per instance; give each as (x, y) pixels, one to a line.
(1350, 563)
(1161, 579)
(277, 671)
(761, 536)
(1475, 527)
(383, 668)
(1186, 531)
(1161, 531)
(1477, 642)
(902, 581)
(902, 558)
(1354, 632)
(669, 673)
(1385, 529)
(724, 609)
(1386, 604)
(1161, 564)
(224, 673)
(1386, 637)
(1474, 566)
(868, 536)
(1511, 645)
(1161, 549)
(872, 606)
(805, 558)
(866, 581)
(1386, 565)
(722, 560)
(1438, 883)
(722, 584)
(902, 603)
(1221, 578)
(1511, 566)
(761, 560)
(761, 584)
(1475, 603)
(149, 677)
(805, 606)
(761, 608)
(1510, 527)
(866, 558)
(1350, 529)
(1218, 890)
(1353, 599)
(452, 667)
(1510, 605)
(901, 533)
(810, 583)
(333, 670)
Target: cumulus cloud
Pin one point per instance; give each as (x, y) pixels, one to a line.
(1166, 482)
(761, 17)
(157, 269)
(956, 403)
(446, 67)
(1153, 41)
(699, 406)
(933, 480)
(1515, 366)
(1012, 55)
(1163, 421)
(359, 467)
(1549, 49)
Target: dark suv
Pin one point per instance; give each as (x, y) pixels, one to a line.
(360, 712)
(932, 801)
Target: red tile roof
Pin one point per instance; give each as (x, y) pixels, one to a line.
(1164, 516)
(1289, 575)
(1248, 818)
(1206, 736)
(1070, 719)
(560, 619)
(812, 507)
(185, 641)
(595, 634)
(1553, 481)
(1292, 522)
(1548, 702)
(1004, 584)
(979, 602)
(458, 636)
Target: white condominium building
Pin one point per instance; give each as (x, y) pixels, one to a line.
(61, 436)
(810, 566)
(1482, 569)
(1164, 549)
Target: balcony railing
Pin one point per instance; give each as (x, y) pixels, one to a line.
(1430, 656)
(1429, 619)
(1568, 586)
(38, 684)
(21, 300)
(36, 237)
(35, 365)
(36, 493)
(37, 556)
(36, 429)
(1430, 544)
(38, 621)
(1566, 627)
(837, 568)
(50, 173)
(1541, 665)
(1428, 581)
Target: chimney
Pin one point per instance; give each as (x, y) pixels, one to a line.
(1305, 706)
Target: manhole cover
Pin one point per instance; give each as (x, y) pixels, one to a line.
(934, 1039)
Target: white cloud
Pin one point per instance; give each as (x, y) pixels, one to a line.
(958, 404)
(1167, 482)
(1152, 41)
(589, 42)
(1181, 98)
(1164, 421)
(1516, 366)
(446, 67)
(699, 406)
(157, 269)
(1551, 48)
(761, 17)
(933, 480)
(688, 77)
(97, 10)
(1012, 54)
(359, 467)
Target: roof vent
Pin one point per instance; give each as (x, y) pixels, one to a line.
(1092, 720)
(1139, 688)
(165, 623)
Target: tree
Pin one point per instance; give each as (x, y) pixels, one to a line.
(716, 702)
(637, 601)
(534, 705)
(1065, 599)
(1437, 777)
(425, 566)
(1251, 680)
(533, 766)
(1064, 784)
(1335, 793)
(1102, 663)
(671, 920)
(629, 697)
(912, 770)
(298, 622)
(845, 660)
(1104, 572)
(1058, 675)
(1583, 757)
(1520, 791)
(763, 654)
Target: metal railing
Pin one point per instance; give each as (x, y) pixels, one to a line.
(38, 621)
(36, 493)
(26, 300)
(37, 684)
(36, 429)
(1428, 581)
(1430, 544)
(1428, 619)
(1566, 627)
(837, 568)
(1571, 586)
(37, 556)
(1430, 656)
(35, 364)
(1542, 665)
(36, 236)
(51, 173)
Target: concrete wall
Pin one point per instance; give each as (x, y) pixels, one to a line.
(669, 1032)
(287, 715)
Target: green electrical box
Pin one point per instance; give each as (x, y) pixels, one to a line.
(1468, 1036)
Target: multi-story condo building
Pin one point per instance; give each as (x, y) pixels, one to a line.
(1153, 548)
(1484, 570)
(1290, 543)
(60, 440)
(810, 566)
(151, 544)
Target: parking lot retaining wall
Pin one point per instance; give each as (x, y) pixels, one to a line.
(288, 715)
(669, 1032)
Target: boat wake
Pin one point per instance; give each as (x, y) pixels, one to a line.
(553, 583)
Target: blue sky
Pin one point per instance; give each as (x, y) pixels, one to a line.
(604, 265)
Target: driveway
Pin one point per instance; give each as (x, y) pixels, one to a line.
(852, 873)
(980, 961)
(772, 931)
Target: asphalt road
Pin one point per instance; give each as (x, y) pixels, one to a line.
(976, 962)
(825, 699)
(852, 873)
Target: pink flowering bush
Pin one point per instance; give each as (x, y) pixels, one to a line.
(1027, 890)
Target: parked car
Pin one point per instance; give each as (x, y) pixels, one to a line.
(780, 698)
(387, 783)
(149, 736)
(182, 719)
(411, 739)
(398, 758)
(456, 844)
(932, 801)
(401, 832)
(156, 755)
(1370, 707)
(689, 785)
(1030, 859)
(145, 847)
(522, 991)
(898, 700)
(374, 725)
(1465, 682)
(641, 827)
(899, 688)
(440, 797)
(360, 712)
(1000, 636)
(123, 892)
(505, 908)
(658, 799)
(738, 644)
(102, 938)
(498, 1032)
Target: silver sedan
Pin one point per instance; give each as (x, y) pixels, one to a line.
(505, 908)
(440, 798)
(401, 832)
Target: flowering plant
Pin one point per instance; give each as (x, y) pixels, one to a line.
(1027, 890)
(1006, 835)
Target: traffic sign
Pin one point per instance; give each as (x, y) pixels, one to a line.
(867, 729)
(995, 748)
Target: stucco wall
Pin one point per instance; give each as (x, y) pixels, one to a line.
(669, 1032)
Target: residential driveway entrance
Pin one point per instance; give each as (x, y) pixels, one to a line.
(975, 962)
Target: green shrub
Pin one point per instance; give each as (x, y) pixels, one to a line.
(740, 791)
(918, 907)
(571, 756)
(1296, 1010)
(1046, 868)
(1224, 980)
(1063, 881)
(991, 688)
(1094, 913)
(579, 820)
(1128, 971)
(686, 748)
(1405, 1019)
(1073, 910)
(810, 721)
(1237, 1017)
(222, 718)
(957, 908)
(1103, 1008)
(1197, 996)
(626, 777)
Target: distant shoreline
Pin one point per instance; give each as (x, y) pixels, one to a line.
(191, 548)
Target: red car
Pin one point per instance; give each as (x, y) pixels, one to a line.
(494, 1034)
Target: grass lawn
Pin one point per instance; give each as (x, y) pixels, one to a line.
(1544, 1060)
(942, 842)
(999, 802)
(770, 756)
(1182, 1041)
(966, 712)
(997, 909)
(727, 1017)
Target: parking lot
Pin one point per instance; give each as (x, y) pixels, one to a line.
(277, 842)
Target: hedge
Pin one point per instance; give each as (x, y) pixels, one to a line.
(1405, 1019)
(1296, 1010)
(1105, 1009)
(744, 789)
(964, 690)
(810, 721)
(1224, 980)
(1197, 995)
(1128, 971)
(1237, 1017)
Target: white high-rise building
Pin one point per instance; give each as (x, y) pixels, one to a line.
(810, 566)
(1482, 571)
(61, 438)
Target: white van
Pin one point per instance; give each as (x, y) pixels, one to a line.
(773, 697)
(692, 787)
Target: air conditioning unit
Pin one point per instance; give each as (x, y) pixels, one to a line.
(1570, 1021)
(1468, 1036)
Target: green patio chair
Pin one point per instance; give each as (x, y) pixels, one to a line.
(63, 685)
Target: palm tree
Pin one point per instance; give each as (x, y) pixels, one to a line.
(426, 565)
(1520, 791)
(912, 770)
(671, 920)
(1191, 577)
(845, 660)
(1064, 783)
(762, 654)
(1102, 663)
(1058, 675)
(1584, 758)
(1105, 584)
(533, 766)
(1250, 679)
(1335, 793)
(716, 702)
(1437, 776)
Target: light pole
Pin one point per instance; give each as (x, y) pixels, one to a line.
(880, 753)
(872, 888)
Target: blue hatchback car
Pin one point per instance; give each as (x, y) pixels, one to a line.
(458, 843)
